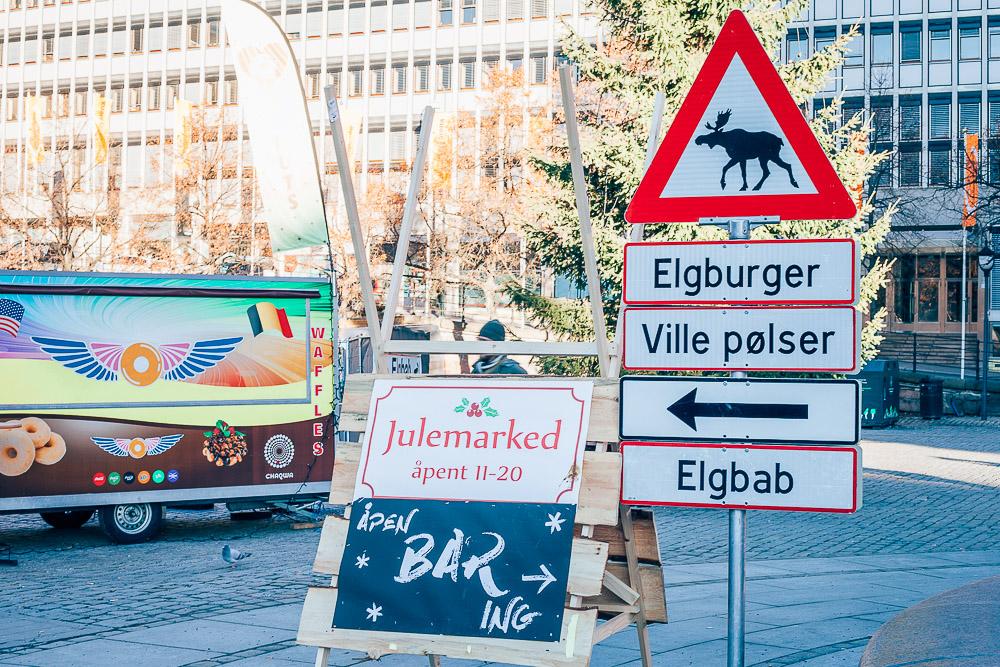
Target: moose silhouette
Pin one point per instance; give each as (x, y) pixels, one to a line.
(741, 146)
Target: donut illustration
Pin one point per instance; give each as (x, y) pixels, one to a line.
(137, 448)
(139, 363)
(17, 452)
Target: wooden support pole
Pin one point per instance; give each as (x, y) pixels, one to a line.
(586, 229)
(635, 234)
(406, 226)
(636, 583)
(345, 168)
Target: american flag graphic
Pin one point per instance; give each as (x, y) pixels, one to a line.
(11, 313)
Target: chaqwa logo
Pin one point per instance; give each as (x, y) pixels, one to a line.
(279, 450)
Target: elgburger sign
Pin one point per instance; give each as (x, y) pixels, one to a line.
(486, 440)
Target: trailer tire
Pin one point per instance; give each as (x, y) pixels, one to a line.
(67, 520)
(133, 523)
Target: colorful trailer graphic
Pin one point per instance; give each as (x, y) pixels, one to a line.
(120, 388)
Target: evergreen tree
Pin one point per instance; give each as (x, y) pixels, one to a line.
(652, 46)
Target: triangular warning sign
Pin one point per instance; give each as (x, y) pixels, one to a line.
(739, 146)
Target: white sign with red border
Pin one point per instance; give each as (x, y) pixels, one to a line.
(753, 338)
(755, 477)
(776, 272)
(486, 440)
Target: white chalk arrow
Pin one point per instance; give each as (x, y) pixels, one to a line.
(545, 577)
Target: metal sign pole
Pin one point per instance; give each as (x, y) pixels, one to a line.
(738, 229)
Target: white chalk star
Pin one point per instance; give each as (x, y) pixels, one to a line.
(555, 523)
(374, 612)
(363, 560)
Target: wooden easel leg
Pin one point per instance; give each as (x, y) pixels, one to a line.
(434, 661)
(322, 657)
(635, 582)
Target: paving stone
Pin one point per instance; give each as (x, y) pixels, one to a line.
(104, 652)
(207, 635)
(815, 634)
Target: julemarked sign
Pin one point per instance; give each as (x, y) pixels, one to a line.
(465, 501)
(487, 440)
(739, 146)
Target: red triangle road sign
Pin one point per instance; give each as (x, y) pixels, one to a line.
(739, 146)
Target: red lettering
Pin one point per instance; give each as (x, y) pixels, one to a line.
(528, 437)
(316, 412)
(317, 389)
(317, 369)
(317, 352)
(433, 435)
(318, 332)
(318, 430)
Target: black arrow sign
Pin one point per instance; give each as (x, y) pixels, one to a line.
(688, 409)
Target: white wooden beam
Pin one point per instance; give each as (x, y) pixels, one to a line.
(526, 347)
(345, 168)
(636, 233)
(406, 226)
(586, 229)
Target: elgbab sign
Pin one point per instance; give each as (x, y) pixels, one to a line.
(758, 477)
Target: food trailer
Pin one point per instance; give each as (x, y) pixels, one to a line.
(123, 393)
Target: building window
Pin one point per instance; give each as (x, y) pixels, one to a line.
(214, 28)
(155, 39)
(137, 41)
(312, 85)
(939, 165)
(357, 82)
(955, 283)
(119, 39)
(172, 90)
(422, 77)
(444, 76)
(314, 22)
(468, 11)
(796, 45)
(194, 34)
(333, 80)
(468, 74)
(909, 119)
(854, 55)
(909, 43)
(489, 64)
(336, 19)
(356, 18)
(135, 97)
(100, 42)
(81, 103)
(968, 116)
(211, 92)
(940, 119)
(903, 276)
(445, 13)
(422, 14)
(994, 45)
(117, 99)
(940, 43)
(378, 17)
(928, 287)
(909, 166)
(48, 49)
(175, 35)
(378, 80)
(539, 9)
(882, 45)
(491, 10)
(153, 97)
(969, 44)
(515, 10)
(539, 68)
(293, 25)
(400, 15)
(399, 79)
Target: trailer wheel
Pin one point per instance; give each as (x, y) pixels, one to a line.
(129, 524)
(70, 519)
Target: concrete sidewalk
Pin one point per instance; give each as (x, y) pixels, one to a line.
(807, 611)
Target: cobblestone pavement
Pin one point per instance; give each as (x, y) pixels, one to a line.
(930, 521)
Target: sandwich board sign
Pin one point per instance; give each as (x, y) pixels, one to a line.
(784, 272)
(750, 338)
(768, 411)
(739, 146)
(463, 511)
(750, 477)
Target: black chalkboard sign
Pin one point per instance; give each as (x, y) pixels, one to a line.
(471, 569)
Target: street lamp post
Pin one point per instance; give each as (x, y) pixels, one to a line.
(986, 258)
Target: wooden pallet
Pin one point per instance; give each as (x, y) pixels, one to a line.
(611, 549)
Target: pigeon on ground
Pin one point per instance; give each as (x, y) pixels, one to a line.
(233, 556)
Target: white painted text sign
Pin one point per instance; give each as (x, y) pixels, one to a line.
(760, 477)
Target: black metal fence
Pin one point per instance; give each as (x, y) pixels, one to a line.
(933, 352)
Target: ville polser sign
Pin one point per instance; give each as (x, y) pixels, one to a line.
(465, 500)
